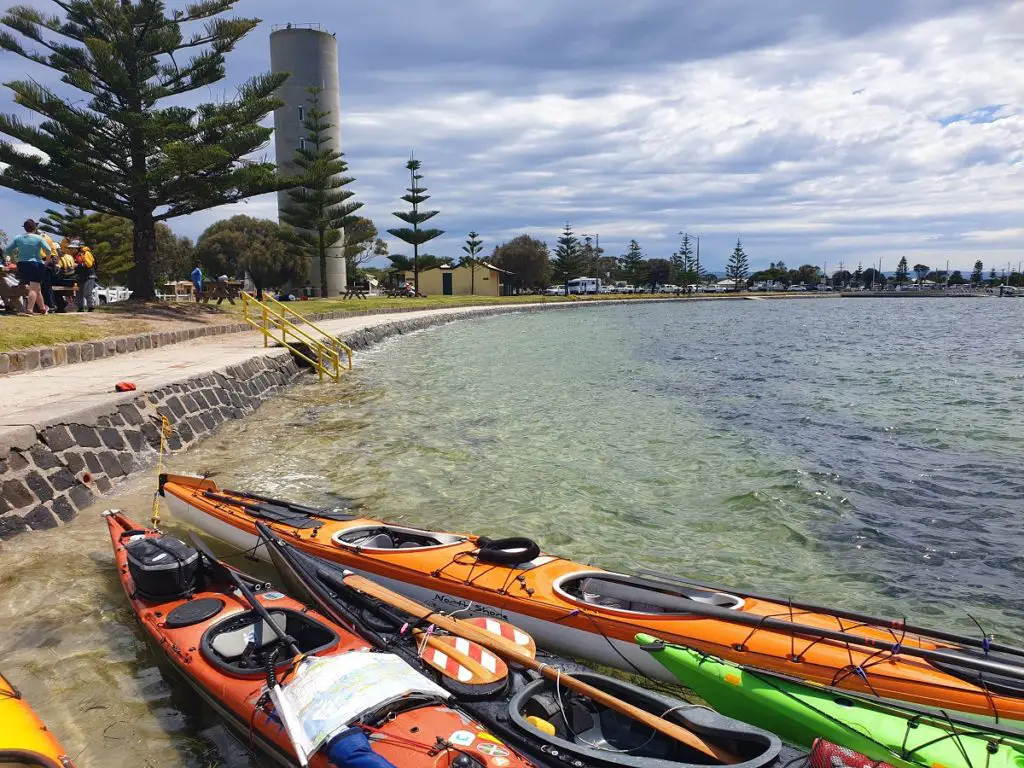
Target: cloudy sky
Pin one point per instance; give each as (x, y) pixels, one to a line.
(818, 131)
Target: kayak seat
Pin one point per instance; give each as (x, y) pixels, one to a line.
(241, 643)
(194, 612)
(231, 645)
(393, 537)
(625, 593)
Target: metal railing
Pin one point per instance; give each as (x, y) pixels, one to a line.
(324, 353)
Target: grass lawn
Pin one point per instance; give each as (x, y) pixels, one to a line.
(125, 318)
(384, 302)
(20, 332)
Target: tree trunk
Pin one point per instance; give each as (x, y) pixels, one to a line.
(140, 278)
(416, 268)
(472, 280)
(323, 267)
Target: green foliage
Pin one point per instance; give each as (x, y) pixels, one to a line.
(992, 278)
(259, 247)
(3, 239)
(858, 275)
(361, 244)
(526, 258)
(957, 278)
(736, 269)
(978, 274)
(659, 272)
(592, 258)
(124, 145)
(472, 247)
(320, 206)
(902, 271)
(568, 261)
(921, 270)
(110, 238)
(872, 278)
(841, 278)
(413, 235)
(632, 264)
(684, 263)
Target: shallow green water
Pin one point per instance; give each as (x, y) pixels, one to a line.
(863, 452)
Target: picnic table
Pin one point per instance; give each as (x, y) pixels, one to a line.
(355, 291)
(229, 290)
(65, 294)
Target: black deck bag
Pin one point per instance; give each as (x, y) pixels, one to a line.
(163, 568)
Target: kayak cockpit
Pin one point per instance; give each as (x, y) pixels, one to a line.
(388, 537)
(585, 730)
(243, 643)
(17, 758)
(618, 592)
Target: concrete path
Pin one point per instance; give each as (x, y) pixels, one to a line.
(26, 399)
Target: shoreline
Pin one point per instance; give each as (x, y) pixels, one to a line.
(79, 439)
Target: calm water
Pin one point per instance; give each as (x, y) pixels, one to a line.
(865, 452)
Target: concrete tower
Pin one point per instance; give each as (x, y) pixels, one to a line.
(310, 56)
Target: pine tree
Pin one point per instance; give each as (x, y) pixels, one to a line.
(632, 262)
(978, 274)
(568, 259)
(413, 235)
(118, 147)
(902, 271)
(858, 275)
(992, 278)
(472, 247)
(319, 206)
(736, 269)
(684, 264)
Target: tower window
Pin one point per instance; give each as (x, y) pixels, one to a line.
(302, 114)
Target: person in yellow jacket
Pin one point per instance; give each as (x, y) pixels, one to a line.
(85, 274)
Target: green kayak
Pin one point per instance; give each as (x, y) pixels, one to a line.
(899, 734)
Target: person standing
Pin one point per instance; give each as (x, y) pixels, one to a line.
(31, 252)
(197, 279)
(85, 274)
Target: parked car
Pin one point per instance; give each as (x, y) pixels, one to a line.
(555, 290)
(112, 294)
(669, 288)
(798, 287)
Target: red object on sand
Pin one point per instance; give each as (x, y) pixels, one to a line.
(124, 386)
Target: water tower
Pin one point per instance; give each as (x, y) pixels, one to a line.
(310, 56)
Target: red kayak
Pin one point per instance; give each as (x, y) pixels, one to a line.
(200, 618)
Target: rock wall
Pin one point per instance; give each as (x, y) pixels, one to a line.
(50, 471)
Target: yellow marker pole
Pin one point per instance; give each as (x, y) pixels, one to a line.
(166, 430)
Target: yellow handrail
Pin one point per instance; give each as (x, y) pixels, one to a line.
(328, 358)
(338, 343)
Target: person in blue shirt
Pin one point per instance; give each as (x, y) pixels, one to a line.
(31, 252)
(197, 279)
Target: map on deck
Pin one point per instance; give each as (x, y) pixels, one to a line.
(328, 694)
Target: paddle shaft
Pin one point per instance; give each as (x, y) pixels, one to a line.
(897, 625)
(513, 653)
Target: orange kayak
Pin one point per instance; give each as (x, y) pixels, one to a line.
(24, 740)
(591, 613)
(224, 649)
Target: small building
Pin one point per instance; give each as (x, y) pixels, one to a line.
(448, 280)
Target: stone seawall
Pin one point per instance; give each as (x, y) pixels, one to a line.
(51, 470)
(55, 467)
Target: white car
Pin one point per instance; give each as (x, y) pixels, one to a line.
(669, 288)
(555, 290)
(112, 294)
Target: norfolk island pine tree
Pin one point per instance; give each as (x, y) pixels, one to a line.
(736, 269)
(568, 257)
(413, 235)
(119, 150)
(320, 204)
(472, 247)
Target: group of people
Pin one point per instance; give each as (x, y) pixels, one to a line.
(40, 265)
